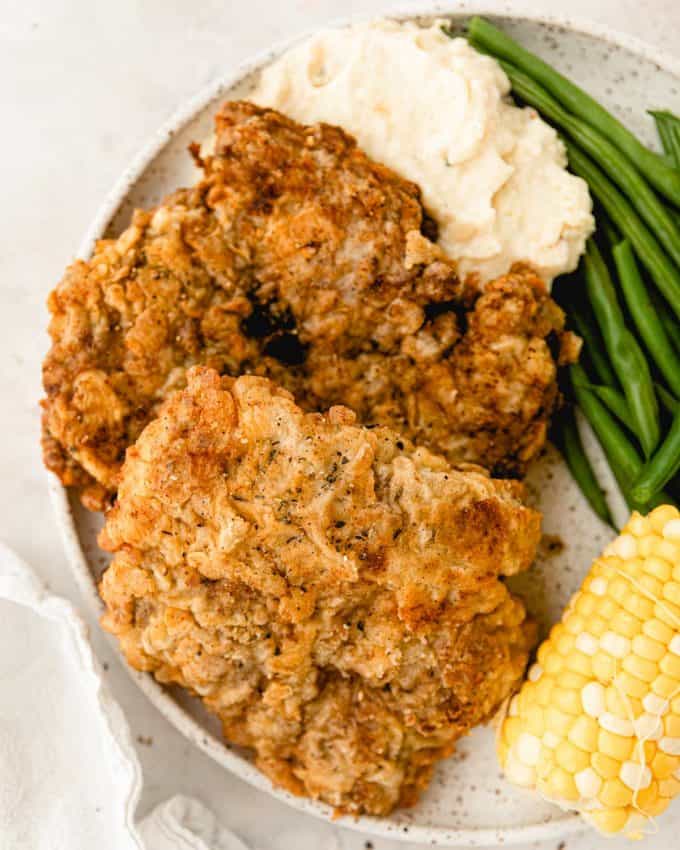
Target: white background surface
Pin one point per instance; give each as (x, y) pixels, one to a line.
(83, 84)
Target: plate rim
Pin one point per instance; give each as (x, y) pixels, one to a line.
(77, 560)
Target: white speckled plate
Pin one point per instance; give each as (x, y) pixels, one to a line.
(468, 803)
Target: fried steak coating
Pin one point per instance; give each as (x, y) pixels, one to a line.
(330, 591)
(298, 258)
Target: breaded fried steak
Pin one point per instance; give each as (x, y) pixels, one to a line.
(298, 258)
(330, 591)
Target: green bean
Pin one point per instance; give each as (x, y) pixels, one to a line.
(625, 354)
(604, 224)
(665, 275)
(566, 436)
(646, 320)
(670, 402)
(607, 156)
(668, 126)
(666, 179)
(614, 401)
(624, 461)
(661, 468)
(670, 323)
(593, 347)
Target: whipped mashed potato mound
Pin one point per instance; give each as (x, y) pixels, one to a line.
(434, 110)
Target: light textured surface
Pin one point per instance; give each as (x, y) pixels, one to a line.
(84, 86)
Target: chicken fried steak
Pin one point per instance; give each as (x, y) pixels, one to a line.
(298, 258)
(330, 591)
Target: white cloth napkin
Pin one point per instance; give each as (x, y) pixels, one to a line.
(69, 775)
(183, 823)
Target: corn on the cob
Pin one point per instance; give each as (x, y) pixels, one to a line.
(596, 726)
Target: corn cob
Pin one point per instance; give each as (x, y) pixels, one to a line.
(596, 726)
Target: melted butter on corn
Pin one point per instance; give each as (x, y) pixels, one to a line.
(596, 725)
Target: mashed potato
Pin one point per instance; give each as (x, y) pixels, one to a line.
(492, 175)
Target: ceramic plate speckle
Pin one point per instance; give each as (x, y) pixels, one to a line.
(468, 803)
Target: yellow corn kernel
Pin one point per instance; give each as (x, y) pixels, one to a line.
(645, 546)
(662, 515)
(565, 644)
(573, 681)
(614, 793)
(671, 726)
(543, 690)
(648, 648)
(526, 697)
(553, 663)
(571, 758)
(616, 746)
(557, 721)
(600, 728)
(512, 729)
(631, 685)
(609, 821)
(544, 650)
(568, 701)
(639, 526)
(670, 665)
(626, 624)
(647, 797)
(658, 631)
(668, 613)
(639, 606)
(650, 585)
(586, 605)
(671, 591)
(665, 686)
(584, 733)
(663, 765)
(574, 625)
(562, 786)
(658, 567)
(605, 766)
(535, 719)
(658, 807)
(619, 590)
(644, 751)
(604, 667)
(608, 609)
(667, 551)
(616, 701)
(669, 787)
(640, 668)
(597, 626)
(579, 663)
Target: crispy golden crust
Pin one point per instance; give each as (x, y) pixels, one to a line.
(298, 258)
(330, 591)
